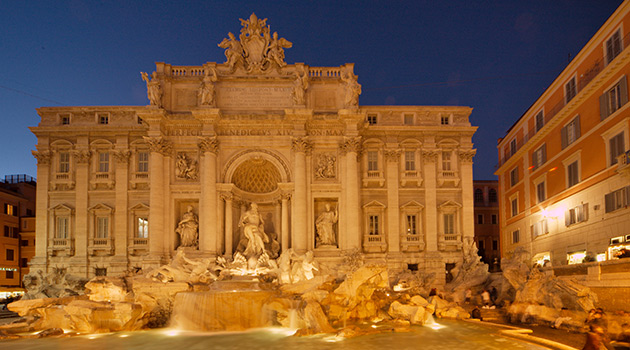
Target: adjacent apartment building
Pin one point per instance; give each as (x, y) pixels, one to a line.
(487, 234)
(564, 170)
(123, 187)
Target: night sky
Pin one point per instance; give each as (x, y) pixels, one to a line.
(494, 56)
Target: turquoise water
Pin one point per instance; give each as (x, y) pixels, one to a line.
(447, 334)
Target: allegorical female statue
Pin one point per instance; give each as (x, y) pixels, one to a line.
(188, 229)
(325, 227)
(154, 91)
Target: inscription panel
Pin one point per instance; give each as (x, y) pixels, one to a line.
(255, 97)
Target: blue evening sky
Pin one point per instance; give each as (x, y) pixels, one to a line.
(494, 56)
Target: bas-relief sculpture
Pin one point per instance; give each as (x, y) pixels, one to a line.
(188, 229)
(154, 90)
(325, 166)
(325, 224)
(186, 168)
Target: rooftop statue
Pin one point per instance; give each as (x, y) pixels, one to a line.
(206, 90)
(154, 91)
(353, 89)
(257, 51)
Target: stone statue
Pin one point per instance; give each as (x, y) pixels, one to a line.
(233, 51)
(188, 229)
(353, 89)
(186, 168)
(325, 227)
(275, 53)
(253, 229)
(300, 84)
(154, 91)
(325, 166)
(206, 91)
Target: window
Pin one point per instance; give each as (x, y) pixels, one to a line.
(408, 119)
(516, 236)
(616, 147)
(573, 174)
(480, 219)
(62, 227)
(103, 162)
(495, 244)
(480, 244)
(540, 228)
(613, 99)
(102, 227)
(64, 119)
(449, 224)
(371, 119)
(540, 121)
(570, 90)
(412, 225)
(10, 209)
(444, 120)
(617, 199)
(142, 227)
(103, 119)
(539, 157)
(479, 195)
(11, 232)
(140, 121)
(100, 271)
(514, 206)
(23, 262)
(494, 219)
(10, 254)
(24, 242)
(64, 162)
(570, 132)
(410, 161)
(613, 46)
(446, 161)
(492, 195)
(9, 275)
(372, 160)
(576, 215)
(143, 162)
(541, 194)
(513, 148)
(514, 176)
(373, 222)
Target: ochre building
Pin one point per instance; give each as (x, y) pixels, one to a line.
(121, 188)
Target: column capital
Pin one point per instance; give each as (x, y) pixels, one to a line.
(466, 156)
(392, 155)
(352, 144)
(43, 157)
(159, 145)
(122, 156)
(82, 157)
(301, 144)
(286, 196)
(208, 144)
(430, 155)
(227, 196)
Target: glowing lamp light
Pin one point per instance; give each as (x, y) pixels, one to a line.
(553, 169)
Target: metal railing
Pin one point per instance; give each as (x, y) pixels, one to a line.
(583, 80)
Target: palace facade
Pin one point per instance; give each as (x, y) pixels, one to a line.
(121, 188)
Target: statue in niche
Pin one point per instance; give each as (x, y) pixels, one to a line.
(353, 89)
(325, 227)
(206, 91)
(300, 84)
(233, 51)
(273, 247)
(325, 166)
(154, 91)
(254, 231)
(275, 53)
(188, 229)
(185, 168)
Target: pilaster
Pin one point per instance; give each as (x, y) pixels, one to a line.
(352, 147)
(392, 158)
(121, 213)
(468, 205)
(430, 194)
(81, 231)
(39, 261)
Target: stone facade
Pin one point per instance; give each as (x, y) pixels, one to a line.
(116, 183)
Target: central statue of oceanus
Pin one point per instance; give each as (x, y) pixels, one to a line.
(256, 50)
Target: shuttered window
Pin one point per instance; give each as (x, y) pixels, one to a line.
(539, 157)
(570, 132)
(616, 147)
(613, 99)
(576, 215)
(617, 199)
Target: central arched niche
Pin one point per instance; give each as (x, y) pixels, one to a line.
(256, 175)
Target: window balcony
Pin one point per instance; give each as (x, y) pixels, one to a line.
(412, 243)
(448, 176)
(373, 178)
(102, 181)
(61, 247)
(101, 246)
(449, 242)
(374, 243)
(138, 246)
(411, 178)
(62, 181)
(139, 178)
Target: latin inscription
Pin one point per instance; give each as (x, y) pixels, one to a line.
(255, 97)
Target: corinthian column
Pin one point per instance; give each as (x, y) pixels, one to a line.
(299, 233)
(41, 211)
(208, 234)
(79, 261)
(159, 148)
(351, 148)
(121, 236)
(430, 185)
(466, 173)
(392, 157)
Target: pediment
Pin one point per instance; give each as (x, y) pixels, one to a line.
(101, 207)
(412, 205)
(139, 206)
(375, 204)
(449, 204)
(62, 208)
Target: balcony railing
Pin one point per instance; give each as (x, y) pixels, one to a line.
(324, 72)
(374, 174)
(583, 80)
(374, 243)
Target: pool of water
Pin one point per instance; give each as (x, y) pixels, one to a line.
(446, 334)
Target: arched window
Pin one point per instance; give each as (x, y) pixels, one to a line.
(479, 195)
(492, 195)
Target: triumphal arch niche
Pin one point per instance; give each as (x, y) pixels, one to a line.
(250, 155)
